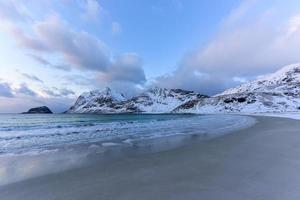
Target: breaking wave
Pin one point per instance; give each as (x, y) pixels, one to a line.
(22, 134)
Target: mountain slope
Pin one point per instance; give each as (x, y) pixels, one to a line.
(98, 101)
(155, 100)
(278, 92)
(285, 80)
(162, 100)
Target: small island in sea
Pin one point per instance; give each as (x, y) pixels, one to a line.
(38, 110)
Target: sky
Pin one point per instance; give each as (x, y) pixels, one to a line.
(53, 50)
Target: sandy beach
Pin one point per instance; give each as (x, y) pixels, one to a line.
(260, 162)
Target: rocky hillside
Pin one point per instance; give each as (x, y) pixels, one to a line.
(277, 92)
(155, 100)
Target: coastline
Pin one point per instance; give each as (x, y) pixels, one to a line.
(260, 162)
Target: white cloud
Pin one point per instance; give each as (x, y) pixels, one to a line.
(54, 42)
(56, 92)
(79, 49)
(11, 10)
(21, 104)
(25, 90)
(293, 25)
(32, 77)
(84, 51)
(21, 97)
(257, 37)
(92, 9)
(126, 67)
(6, 90)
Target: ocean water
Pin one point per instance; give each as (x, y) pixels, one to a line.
(36, 145)
(22, 134)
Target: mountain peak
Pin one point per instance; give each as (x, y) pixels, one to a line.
(286, 74)
(107, 89)
(157, 91)
(105, 93)
(277, 92)
(89, 102)
(286, 79)
(163, 91)
(290, 68)
(154, 100)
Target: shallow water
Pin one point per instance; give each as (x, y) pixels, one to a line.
(21, 134)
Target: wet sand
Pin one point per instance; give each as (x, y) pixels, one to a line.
(261, 162)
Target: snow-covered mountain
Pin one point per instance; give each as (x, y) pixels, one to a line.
(98, 101)
(162, 100)
(155, 100)
(285, 80)
(277, 92)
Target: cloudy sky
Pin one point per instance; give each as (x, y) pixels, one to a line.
(53, 50)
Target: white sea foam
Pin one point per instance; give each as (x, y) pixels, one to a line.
(109, 144)
(45, 136)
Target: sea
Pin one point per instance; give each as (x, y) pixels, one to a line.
(34, 133)
(33, 145)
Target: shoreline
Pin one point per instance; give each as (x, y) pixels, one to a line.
(251, 163)
(20, 167)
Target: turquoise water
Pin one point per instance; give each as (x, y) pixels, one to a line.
(36, 133)
(10, 122)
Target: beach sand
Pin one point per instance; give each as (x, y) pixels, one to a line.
(260, 162)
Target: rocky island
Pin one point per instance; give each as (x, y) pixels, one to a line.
(39, 110)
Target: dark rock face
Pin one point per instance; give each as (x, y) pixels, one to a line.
(188, 105)
(39, 110)
(239, 99)
(228, 100)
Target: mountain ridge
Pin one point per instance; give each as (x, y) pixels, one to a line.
(276, 92)
(154, 100)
